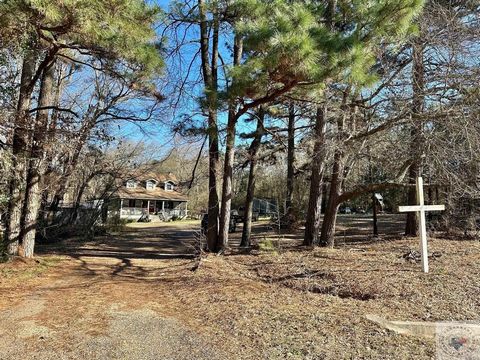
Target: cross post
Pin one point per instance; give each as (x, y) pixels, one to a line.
(420, 209)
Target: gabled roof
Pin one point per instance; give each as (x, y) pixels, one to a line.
(141, 193)
(144, 175)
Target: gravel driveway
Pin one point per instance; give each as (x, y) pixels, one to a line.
(72, 315)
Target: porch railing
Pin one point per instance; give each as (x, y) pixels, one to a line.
(166, 214)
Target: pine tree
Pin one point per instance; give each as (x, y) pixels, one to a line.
(289, 45)
(120, 35)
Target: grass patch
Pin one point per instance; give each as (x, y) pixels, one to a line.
(24, 269)
(269, 245)
(116, 225)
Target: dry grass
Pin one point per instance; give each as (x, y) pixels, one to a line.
(19, 276)
(178, 223)
(292, 302)
(299, 304)
(20, 269)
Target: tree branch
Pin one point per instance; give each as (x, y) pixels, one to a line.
(362, 189)
(54, 108)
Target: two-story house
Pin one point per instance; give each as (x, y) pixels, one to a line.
(156, 196)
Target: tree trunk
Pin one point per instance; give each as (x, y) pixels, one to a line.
(71, 163)
(324, 197)
(32, 206)
(327, 237)
(69, 166)
(36, 169)
(253, 154)
(227, 180)
(229, 159)
(209, 71)
(329, 220)
(59, 85)
(374, 209)
(78, 198)
(411, 224)
(290, 166)
(19, 154)
(213, 206)
(312, 224)
(416, 134)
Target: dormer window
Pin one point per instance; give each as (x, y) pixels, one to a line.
(169, 186)
(131, 184)
(150, 184)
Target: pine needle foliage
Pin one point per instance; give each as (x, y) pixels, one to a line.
(289, 42)
(111, 29)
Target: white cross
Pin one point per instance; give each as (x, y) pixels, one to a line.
(421, 208)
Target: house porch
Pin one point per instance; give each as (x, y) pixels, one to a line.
(135, 209)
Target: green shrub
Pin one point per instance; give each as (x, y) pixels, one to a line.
(116, 224)
(268, 245)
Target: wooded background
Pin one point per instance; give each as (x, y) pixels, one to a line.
(304, 102)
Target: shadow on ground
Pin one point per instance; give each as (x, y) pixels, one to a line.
(136, 251)
(133, 253)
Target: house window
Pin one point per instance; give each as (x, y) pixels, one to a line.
(150, 185)
(168, 186)
(131, 184)
(131, 203)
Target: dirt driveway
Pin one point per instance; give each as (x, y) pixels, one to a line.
(135, 296)
(89, 308)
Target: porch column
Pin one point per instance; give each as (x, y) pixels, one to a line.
(121, 207)
(163, 206)
(148, 207)
(186, 209)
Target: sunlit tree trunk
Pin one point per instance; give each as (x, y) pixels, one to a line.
(20, 154)
(51, 133)
(209, 71)
(253, 155)
(312, 224)
(330, 217)
(327, 236)
(36, 166)
(416, 134)
(227, 189)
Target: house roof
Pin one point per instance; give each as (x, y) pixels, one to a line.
(144, 175)
(152, 194)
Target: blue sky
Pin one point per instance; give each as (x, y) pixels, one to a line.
(176, 70)
(159, 132)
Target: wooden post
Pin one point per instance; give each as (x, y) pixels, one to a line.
(374, 205)
(423, 226)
